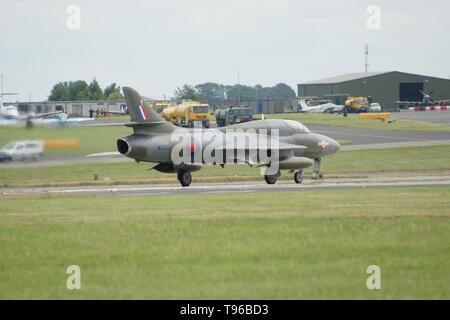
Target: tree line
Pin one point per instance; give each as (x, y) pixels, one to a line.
(210, 92)
(81, 91)
(214, 93)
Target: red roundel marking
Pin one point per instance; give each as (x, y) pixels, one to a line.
(323, 144)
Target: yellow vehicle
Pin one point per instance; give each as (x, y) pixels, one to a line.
(168, 114)
(357, 104)
(187, 113)
(159, 107)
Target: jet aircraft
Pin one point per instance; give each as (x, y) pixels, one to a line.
(272, 144)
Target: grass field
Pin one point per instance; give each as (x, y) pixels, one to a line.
(434, 157)
(91, 139)
(291, 245)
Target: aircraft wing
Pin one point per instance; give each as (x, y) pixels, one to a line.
(410, 102)
(282, 146)
(78, 119)
(38, 115)
(442, 101)
(114, 112)
(8, 123)
(104, 154)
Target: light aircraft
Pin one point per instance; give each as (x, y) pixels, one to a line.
(426, 101)
(272, 144)
(310, 105)
(11, 113)
(63, 120)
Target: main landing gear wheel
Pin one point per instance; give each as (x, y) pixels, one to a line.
(298, 176)
(185, 178)
(272, 178)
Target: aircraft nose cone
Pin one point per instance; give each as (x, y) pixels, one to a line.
(334, 146)
(328, 145)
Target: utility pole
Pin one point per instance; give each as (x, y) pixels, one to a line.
(366, 53)
(238, 91)
(1, 91)
(29, 102)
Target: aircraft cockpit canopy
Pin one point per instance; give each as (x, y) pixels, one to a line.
(296, 127)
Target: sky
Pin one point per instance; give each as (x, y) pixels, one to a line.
(157, 46)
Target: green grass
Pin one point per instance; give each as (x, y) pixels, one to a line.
(290, 245)
(353, 121)
(410, 158)
(91, 139)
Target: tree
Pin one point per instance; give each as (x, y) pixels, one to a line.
(283, 91)
(95, 92)
(78, 91)
(115, 95)
(213, 93)
(187, 92)
(60, 92)
(112, 92)
(81, 91)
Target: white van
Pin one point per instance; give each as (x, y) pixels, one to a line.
(22, 150)
(374, 107)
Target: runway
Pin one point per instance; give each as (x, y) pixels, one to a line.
(374, 181)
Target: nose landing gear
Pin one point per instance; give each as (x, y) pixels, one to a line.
(316, 171)
(272, 178)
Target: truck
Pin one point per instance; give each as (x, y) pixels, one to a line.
(232, 115)
(159, 107)
(188, 113)
(356, 104)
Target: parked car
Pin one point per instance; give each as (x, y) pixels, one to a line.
(22, 150)
(374, 107)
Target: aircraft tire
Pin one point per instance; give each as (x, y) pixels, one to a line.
(298, 176)
(185, 178)
(271, 178)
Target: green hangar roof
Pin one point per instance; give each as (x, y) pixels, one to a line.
(345, 77)
(358, 76)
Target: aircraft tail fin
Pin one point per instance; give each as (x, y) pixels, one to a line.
(138, 109)
(142, 114)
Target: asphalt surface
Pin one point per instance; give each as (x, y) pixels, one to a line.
(375, 181)
(441, 117)
(369, 136)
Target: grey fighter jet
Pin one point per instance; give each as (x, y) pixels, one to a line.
(271, 144)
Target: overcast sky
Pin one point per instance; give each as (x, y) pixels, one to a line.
(156, 46)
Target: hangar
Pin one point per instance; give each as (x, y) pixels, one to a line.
(386, 88)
